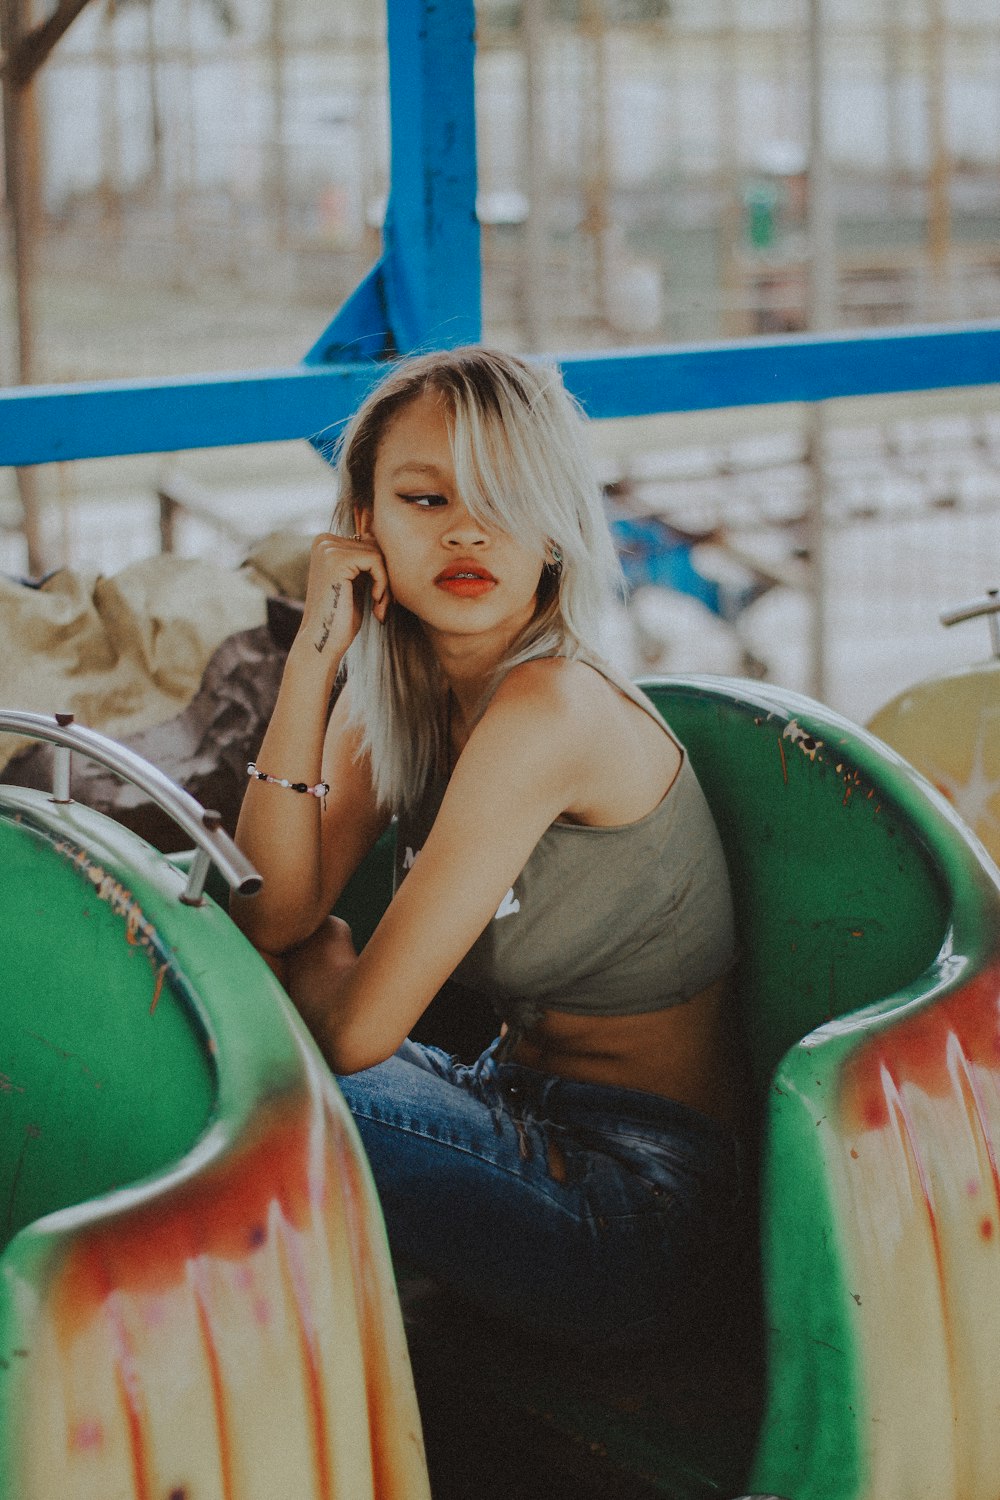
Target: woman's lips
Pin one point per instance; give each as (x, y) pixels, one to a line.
(465, 582)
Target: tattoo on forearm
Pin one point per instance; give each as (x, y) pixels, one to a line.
(327, 624)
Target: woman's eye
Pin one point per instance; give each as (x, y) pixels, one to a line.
(426, 502)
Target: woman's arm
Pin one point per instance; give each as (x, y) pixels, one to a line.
(527, 760)
(306, 849)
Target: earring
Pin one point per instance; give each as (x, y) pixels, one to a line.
(556, 562)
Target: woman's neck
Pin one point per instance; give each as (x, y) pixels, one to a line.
(469, 664)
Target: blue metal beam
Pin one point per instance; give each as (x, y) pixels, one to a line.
(46, 424)
(52, 423)
(804, 367)
(425, 291)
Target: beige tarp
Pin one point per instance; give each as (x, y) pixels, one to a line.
(126, 652)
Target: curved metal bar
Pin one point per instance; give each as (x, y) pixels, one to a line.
(203, 826)
(989, 605)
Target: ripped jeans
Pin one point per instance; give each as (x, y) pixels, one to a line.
(585, 1213)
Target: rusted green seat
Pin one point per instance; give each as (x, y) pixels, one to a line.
(195, 1291)
(869, 985)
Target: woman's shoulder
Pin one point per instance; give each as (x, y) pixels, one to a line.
(555, 688)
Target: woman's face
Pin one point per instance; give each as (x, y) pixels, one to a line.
(456, 575)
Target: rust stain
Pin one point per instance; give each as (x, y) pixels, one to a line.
(140, 932)
(986, 1229)
(784, 764)
(157, 989)
(8, 1086)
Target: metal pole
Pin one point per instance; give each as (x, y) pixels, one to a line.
(21, 171)
(593, 24)
(734, 321)
(939, 183)
(822, 308)
(534, 279)
(278, 175)
(822, 288)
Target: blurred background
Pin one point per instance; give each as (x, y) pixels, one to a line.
(203, 183)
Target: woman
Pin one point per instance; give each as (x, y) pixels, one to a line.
(554, 850)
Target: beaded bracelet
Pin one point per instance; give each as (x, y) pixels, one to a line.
(319, 790)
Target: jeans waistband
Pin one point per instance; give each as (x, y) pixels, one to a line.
(570, 1102)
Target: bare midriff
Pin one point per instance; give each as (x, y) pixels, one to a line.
(688, 1052)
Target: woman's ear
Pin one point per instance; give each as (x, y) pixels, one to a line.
(362, 520)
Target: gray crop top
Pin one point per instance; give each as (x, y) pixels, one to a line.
(602, 921)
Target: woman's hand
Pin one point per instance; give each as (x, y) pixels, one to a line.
(340, 569)
(316, 969)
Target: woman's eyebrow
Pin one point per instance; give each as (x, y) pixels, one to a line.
(414, 466)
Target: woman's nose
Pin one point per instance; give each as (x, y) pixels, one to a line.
(463, 530)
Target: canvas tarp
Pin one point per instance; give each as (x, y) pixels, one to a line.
(126, 652)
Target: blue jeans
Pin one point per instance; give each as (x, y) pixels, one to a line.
(582, 1212)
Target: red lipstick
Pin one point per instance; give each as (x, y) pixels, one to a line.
(467, 580)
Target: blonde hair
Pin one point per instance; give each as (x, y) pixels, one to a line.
(521, 466)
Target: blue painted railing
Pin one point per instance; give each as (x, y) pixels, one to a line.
(424, 292)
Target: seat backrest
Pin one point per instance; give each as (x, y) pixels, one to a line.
(105, 1074)
(838, 902)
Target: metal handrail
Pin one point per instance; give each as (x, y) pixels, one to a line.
(204, 827)
(989, 606)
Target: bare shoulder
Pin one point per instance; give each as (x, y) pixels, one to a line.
(615, 759)
(556, 688)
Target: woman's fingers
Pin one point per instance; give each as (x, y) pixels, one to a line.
(338, 568)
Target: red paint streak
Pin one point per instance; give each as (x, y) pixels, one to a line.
(986, 1229)
(144, 1250)
(127, 1383)
(916, 1050)
(305, 1322)
(784, 763)
(380, 1381)
(157, 989)
(895, 1101)
(223, 1438)
(978, 1113)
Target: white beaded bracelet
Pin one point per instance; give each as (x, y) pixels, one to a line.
(319, 790)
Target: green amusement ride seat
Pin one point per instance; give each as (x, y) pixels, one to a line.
(869, 990)
(195, 1293)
